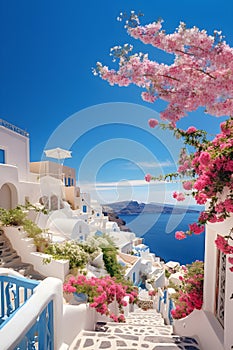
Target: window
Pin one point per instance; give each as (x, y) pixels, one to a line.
(2, 156)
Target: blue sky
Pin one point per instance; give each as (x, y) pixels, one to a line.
(48, 48)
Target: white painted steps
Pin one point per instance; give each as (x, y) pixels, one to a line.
(142, 330)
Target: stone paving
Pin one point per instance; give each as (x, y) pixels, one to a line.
(142, 330)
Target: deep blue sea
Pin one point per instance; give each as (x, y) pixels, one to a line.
(158, 231)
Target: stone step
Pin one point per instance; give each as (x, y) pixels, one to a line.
(5, 250)
(144, 315)
(88, 340)
(8, 256)
(124, 328)
(146, 322)
(10, 259)
(149, 312)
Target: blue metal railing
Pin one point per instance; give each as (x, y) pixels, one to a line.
(166, 299)
(15, 292)
(41, 335)
(170, 308)
(13, 128)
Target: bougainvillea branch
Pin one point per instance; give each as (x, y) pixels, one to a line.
(200, 75)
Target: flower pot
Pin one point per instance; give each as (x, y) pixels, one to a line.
(80, 297)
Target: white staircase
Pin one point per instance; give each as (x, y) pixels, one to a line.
(142, 330)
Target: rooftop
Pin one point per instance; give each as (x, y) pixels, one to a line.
(13, 128)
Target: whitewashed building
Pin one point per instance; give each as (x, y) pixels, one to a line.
(17, 184)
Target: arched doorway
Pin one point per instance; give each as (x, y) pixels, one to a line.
(8, 196)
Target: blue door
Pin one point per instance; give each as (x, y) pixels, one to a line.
(84, 208)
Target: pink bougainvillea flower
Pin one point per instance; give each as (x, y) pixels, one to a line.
(179, 196)
(187, 185)
(222, 244)
(153, 123)
(204, 158)
(196, 229)
(148, 177)
(180, 235)
(191, 130)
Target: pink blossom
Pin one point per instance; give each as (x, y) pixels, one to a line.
(196, 229)
(187, 185)
(224, 128)
(121, 318)
(191, 130)
(148, 177)
(223, 245)
(180, 235)
(201, 198)
(204, 158)
(153, 123)
(179, 196)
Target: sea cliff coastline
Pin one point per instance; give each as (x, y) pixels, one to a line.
(112, 216)
(134, 207)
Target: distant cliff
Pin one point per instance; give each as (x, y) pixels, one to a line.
(133, 207)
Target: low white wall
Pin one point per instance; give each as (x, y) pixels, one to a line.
(160, 280)
(27, 251)
(75, 319)
(202, 325)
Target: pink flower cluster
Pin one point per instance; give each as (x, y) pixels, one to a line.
(211, 167)
(193, 228)
(223, 245)
(180, 235)
(101, 292)
(153, 123)
(190, 295)
(179, 196)
(187, 185)
(152, 293)
(148, 177)
(197, 77)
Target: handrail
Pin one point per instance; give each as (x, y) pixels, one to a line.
(165, 305)
(41, 314)
(12, 297)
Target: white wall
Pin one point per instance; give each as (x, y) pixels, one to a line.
(75, 319)
(204, 326)
(16, 148)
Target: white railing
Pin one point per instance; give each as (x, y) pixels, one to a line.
(164, 304)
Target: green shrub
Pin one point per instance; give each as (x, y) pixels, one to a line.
(71, 251)
(12, 217)
(17, 217)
